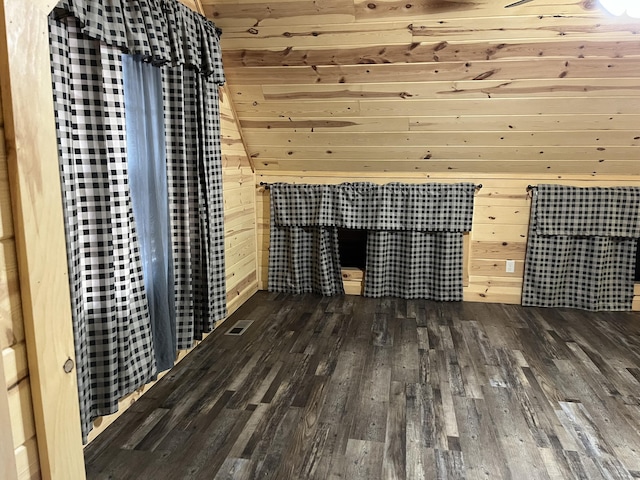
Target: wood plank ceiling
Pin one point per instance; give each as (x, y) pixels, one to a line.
(433, 85)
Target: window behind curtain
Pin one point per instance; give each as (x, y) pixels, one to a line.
(148, 181)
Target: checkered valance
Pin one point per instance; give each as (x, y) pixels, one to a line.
(162, 31)
(430, 207)
(593, 211)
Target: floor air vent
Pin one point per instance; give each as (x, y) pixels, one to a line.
(239, 328)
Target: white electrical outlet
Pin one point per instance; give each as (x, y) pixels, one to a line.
(511, 266)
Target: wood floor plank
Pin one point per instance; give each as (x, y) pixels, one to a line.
(483, 454)
(513, 434)
(394, 460)
(363, 460)
(349, 387)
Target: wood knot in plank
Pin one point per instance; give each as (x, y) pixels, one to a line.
(485, 75)
(441, 46)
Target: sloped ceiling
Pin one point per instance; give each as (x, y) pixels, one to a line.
(431, 86)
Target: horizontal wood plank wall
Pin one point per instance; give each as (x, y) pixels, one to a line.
(500, 220)
(240, 235)
(387, 86)
(21, 433)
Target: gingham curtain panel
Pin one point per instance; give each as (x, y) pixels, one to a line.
(112, 328)
(194, 164)
(414, 246)
(305, 259)
(302, 258)
(413, 264)
(581, 248)
(113, 340)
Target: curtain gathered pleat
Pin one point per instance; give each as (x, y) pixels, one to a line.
(148, 182)
(581, 248)
(414, 246)
(113, 338)
(131, 307)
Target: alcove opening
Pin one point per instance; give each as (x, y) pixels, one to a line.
(353, 247)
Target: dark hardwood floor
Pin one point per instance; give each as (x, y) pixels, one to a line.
(359, 388)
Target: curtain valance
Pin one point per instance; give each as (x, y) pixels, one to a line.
(161, 31)
(589, 212)
(432, 207)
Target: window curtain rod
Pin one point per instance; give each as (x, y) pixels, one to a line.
(267, 186)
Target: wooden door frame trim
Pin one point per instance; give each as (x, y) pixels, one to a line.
(32, 156)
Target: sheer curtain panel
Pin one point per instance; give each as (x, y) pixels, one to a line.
(148, 182)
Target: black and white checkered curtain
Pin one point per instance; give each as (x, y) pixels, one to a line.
(160, 31)
(113, 342)
(302, 258)
(414, 264)
(582, 247)
(112, 329)
(194, 165)
(420, 252)
(434, 207)
(414, 246)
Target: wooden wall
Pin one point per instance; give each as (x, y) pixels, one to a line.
(239, 210)
(501, 217)
(434, 86)
(21, 433)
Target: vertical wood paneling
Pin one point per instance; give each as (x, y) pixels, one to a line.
(500, 221)
(17, 432)
(46, 401)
